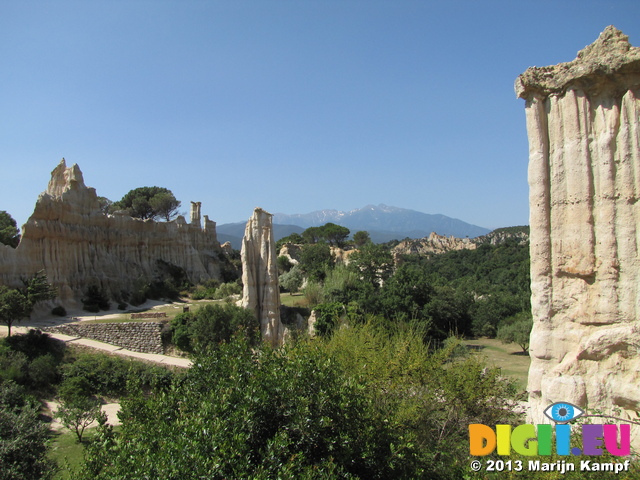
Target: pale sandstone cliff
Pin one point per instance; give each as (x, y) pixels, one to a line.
(261, 292)
(78, 245)
(583, 123)
(436, 244)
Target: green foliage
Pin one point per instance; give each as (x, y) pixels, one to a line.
(327, 317)
(294, 238)
(103, 375)
(9, 232)
(23, 437)
(260, 414)
(361, 238)
(517, 330)
(330, 232)
(212, 325)
(14, 306)
(373, 262)
(313, 293)
(32, 360)
(77, 414)
(431, 396)
(59, 311)
(214, 291)
(339, 282)
(284, 264)
(315, 260)
(292, 280)
(95, 299)
(149, 203)
(37, 288)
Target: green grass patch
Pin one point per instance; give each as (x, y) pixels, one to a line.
(293, 300)
(68, 454)
(508, 357)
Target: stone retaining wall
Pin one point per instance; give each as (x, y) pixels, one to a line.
(144, 337)
(149, 315)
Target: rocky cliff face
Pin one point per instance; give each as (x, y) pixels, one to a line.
(261, 292)
(584, 177)
(435, 244)
(78, 245)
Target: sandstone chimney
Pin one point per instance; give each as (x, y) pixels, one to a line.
(583, 123)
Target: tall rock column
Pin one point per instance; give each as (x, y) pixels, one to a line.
(261, 292)
(583, 123)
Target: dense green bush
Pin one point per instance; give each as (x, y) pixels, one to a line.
(292, 280)
(32, 360)
(211, 325)
(105, 375)
(95, 299)
(23, 437)
(328, 317)
(260, 414)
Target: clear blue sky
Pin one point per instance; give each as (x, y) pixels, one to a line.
(292, 106)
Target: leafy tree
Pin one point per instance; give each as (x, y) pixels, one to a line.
(292, 280)
(23, 437)
(335, 234)
(9, 232)
(149, 202)
(37, 288)
(77, 414)
(373, 262)
(14, 306)
(517, 330)
(315, 260)
(361, 238)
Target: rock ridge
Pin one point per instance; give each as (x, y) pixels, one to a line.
(77, 244)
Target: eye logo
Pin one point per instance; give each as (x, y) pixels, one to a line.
(563, 412)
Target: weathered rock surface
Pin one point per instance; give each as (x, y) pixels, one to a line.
(78, 245)
(261, 292)
(584, 178)
(436, 244)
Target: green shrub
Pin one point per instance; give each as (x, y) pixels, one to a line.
(212, 325)
(23, 437)
(226, 290)
(257, 413)
(59, 311)
(327, 317)
(95, 299)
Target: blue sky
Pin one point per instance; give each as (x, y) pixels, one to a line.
(293, 106)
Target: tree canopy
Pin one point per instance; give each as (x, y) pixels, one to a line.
(9, 232)
(16, 304)
(149, 203)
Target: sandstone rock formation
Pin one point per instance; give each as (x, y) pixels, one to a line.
(261, 292)
(78, 245)
(436, 244)
(583, 123)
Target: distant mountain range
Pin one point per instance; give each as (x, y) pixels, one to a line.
(383, 223)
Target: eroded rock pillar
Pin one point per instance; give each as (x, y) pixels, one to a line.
(583, 124)
(261, 292)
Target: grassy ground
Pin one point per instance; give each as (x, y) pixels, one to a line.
(293, 300)
(509, 357)
(67, 452)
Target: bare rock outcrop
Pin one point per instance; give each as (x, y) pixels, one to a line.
(261, 292)
(584, 178)
(77, 244)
